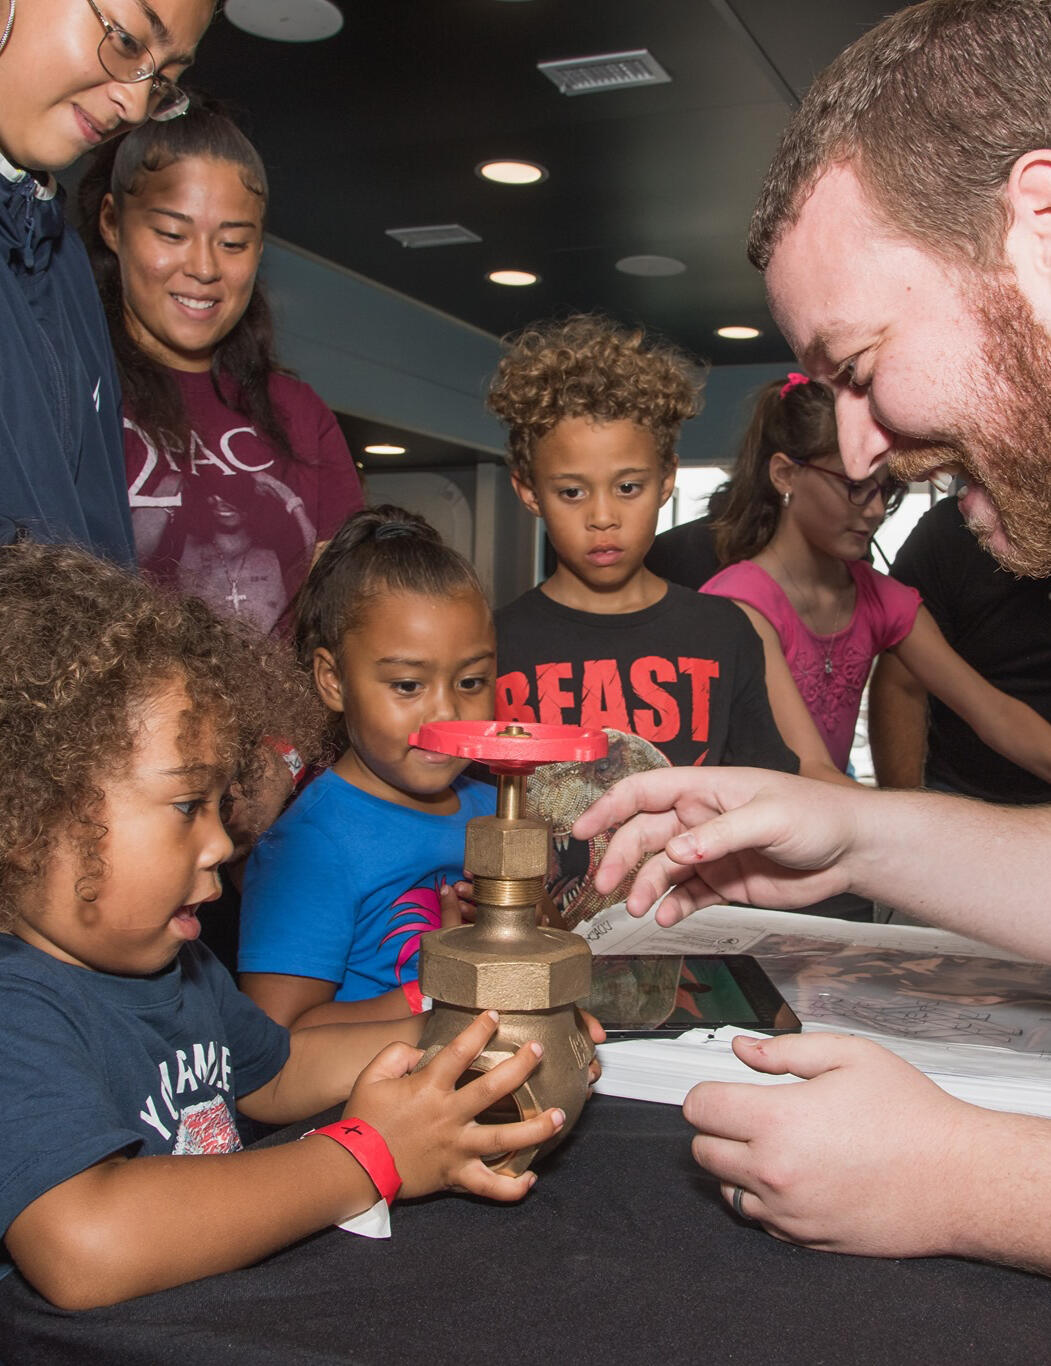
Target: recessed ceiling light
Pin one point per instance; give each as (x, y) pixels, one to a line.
(512, 172)
(738, 333)
(512, 277)
(650, 265)
(383, 448)
(286, 21)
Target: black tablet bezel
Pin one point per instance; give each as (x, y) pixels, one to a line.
(773, 1013)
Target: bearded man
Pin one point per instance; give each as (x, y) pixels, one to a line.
(905, 234)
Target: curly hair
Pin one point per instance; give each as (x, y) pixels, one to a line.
(931, 108)
(84, 644)
(591, 366)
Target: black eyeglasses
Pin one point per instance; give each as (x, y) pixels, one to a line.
(861, 492)
(127, 60)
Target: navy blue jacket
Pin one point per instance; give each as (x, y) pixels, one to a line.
(61, 442)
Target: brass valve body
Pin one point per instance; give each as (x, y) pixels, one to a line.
(506, 962)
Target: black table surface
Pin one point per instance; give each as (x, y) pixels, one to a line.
(623, 1253)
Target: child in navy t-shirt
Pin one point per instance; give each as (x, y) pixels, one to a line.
(127, 713)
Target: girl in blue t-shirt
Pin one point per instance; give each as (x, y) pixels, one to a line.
(398, 633)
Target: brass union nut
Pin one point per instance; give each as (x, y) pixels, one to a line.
(462, 977)
(506, 849)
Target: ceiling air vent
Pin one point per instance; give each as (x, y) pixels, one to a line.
(436, 235)
(611, 71)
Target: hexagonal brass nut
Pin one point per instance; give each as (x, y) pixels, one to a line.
(486, 981)
(506, 849)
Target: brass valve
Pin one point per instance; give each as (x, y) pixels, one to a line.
(505, 961)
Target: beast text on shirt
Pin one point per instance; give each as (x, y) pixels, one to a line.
(645, 707)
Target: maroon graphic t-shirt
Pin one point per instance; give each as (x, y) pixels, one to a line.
(232, 520)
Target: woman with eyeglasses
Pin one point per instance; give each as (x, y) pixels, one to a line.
(71, 75)
(237, 472)
(794, 535)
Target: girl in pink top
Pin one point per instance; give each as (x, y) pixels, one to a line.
(794, 534)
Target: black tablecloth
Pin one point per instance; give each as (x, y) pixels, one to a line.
(624, 1253)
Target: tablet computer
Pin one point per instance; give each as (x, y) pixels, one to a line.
(669, 994)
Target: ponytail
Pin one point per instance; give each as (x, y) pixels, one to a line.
(797, 418)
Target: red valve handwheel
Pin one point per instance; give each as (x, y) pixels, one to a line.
(496, 744)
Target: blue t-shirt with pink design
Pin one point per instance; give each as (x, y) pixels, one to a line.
(343, 884)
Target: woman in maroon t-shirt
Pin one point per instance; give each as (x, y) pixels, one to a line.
(237, 472)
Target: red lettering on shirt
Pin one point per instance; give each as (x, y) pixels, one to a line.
(602, 696)
(512, 698)
(661, 723)
(701, 672)
(602, 701)
(552, 699)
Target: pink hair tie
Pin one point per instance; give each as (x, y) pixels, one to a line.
(793, 381)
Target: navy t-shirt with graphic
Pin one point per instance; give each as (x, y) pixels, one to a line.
(96, 1064)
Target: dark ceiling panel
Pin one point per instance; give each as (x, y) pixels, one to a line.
(382, 126)
(421, 452)
(803, 36)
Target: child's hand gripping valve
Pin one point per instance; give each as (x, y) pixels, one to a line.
(505, 961)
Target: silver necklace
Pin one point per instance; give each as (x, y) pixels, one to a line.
(829, 668)
(233, 597)
(7, 27)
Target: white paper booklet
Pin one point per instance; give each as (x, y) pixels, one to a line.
(737, 929)
(976, 1022)
(665, 1071)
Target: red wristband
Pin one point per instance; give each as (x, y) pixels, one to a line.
(291, 757)
(418, 1003)
(369, 1149)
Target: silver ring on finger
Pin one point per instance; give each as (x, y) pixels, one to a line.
(738, 1196)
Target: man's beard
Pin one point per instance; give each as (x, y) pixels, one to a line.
(1007, 445)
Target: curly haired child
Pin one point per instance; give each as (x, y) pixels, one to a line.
(126, 713)
(590, 367)
(594, 410)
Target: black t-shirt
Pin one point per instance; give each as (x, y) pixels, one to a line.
(1001, 626)
(681, 682)
(685, 554)
(686, 674)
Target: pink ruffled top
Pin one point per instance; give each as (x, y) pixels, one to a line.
(830, 671)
